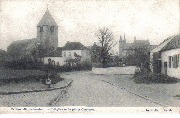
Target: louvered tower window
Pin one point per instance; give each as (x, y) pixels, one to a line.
(41, 29)
(52, 29)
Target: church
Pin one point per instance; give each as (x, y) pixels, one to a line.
(45, 46)
(45, 42)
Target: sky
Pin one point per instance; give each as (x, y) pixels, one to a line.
(79, 20)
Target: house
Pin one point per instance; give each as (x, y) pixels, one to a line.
(165, 58)
(45, 42)
(71, 51)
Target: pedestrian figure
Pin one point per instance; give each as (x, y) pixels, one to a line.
(48, 81)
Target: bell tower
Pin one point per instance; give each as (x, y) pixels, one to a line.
(47, 32)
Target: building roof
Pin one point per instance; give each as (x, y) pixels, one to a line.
(47, 19)
(163, 44)
(74, 46)
(128, 46)
(152, 47)
(173, 44)
(22, 46)
(136, 44)
(2, 53)
(139, 43)
(56, 53)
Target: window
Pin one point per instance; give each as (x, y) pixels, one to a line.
(64, 54)
(69, 54)
(41, 29)
(178, 60)
(175, 61)
(170, 61)
(52, 29)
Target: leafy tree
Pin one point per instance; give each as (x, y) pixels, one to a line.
(106, 43)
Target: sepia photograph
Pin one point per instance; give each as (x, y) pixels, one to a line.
(90, 56)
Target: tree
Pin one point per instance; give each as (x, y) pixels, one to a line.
(106, 42)
(139, 58)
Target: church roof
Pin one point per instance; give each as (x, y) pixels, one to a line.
(21, 47)
(47, 19)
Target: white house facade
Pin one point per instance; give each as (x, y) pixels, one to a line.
(166, 57)
(171, 62)
(75, 50)
(56, 61)
(84, 55)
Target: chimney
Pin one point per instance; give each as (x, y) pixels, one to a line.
(134, 39)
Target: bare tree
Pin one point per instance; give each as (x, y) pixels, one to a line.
(106, 40)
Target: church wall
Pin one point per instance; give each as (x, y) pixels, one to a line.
(48, 38)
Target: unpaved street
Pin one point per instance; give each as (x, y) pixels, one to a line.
(92, 90)
(89, 90)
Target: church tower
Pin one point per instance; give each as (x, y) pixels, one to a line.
(47, 32)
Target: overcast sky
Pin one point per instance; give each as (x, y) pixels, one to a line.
(78, 21)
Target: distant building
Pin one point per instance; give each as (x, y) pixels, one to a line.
(45, 42)
(165, 58)
(126, 49)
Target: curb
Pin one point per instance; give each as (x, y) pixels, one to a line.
(40, 90)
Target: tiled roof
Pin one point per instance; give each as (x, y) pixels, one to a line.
(47, 19)
(173, 44)
(74, 46)
(163, 44)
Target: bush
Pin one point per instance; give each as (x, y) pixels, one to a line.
(67, 68)
(23, 64)
(148, 77)
(97, 65)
